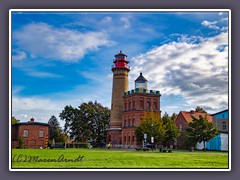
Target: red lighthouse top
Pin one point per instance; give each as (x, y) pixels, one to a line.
(120, 62)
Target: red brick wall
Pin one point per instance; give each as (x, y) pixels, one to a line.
(134, 101)
(133, 113)
(33, 140)
(181, 120)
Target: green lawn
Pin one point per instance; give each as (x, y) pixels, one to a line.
(104, 158)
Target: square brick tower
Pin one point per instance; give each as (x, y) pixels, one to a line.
(136, 102)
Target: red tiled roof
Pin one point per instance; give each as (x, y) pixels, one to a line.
(188, 118)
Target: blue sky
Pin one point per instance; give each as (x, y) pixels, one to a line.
(65, 58)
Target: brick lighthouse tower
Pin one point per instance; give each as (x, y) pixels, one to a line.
(120, 71)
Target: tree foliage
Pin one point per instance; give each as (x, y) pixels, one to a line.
(200, 130)
(172, 131)
(15, 120)
(200, 109)
(162, 129)
(55, 131)
(87, 122)
(20, 142)
(153, 126)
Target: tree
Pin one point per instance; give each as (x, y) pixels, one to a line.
(87, 122)
(174, 117)
(153, 126)
(188, 140)
(172, 131)
(20, 142)
(201, 130)
(165, 118)
(55, 131)
(99, 117)
(200, 109)
(15, 120)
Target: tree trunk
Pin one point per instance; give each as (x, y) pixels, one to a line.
(204, 146)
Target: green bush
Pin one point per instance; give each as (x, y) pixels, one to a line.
(21, 142)
(78, 145)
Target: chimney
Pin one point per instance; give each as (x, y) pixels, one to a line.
(32, 120)
(192, 112)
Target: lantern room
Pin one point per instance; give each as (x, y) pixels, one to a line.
(120, 62)
(141, 82)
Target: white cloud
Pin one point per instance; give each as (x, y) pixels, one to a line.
(19, 55)
(225, 28)
(45, 41)
(211, 25)
(196, 71)
(107, 19)
(42, 74)
(41, 109)
(126, 22)
(220, 14)
(224, 19)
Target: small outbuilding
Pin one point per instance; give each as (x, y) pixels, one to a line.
(33, 134)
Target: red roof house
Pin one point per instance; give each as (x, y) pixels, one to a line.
(183, 118)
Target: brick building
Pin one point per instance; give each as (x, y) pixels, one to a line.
(35, 134)
(183, 118)
(128, 107)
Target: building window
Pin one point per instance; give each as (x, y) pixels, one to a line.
(155, 105)
(224, 126)
(125, 106)
(133, 104)
(41, 133)
(128, 138)
(141, 104)
(148, 105)
(129, 105)
(223, 116)
(133, 121)
(133, 138)
(125, 122)
(125, 139)
(129, 122)
(180, 127)
(25, 133)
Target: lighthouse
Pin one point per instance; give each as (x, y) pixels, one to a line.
(120, 71)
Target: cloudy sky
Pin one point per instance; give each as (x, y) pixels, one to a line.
(65, 58)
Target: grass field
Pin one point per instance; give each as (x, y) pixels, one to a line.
(104, 158)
